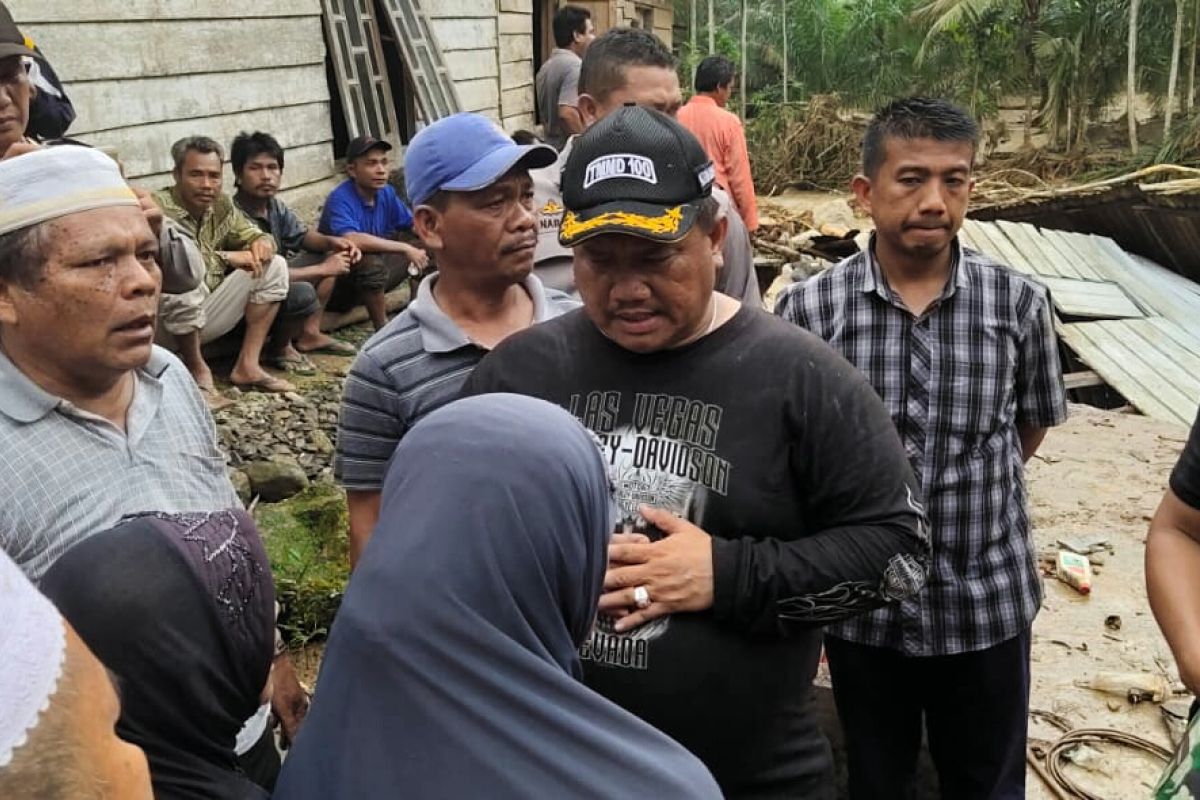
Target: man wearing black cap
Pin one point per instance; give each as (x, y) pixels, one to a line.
(473, 199)
(762, 489)
(15, 85)
(366, 210)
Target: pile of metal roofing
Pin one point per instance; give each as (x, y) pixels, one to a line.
(1133, 323)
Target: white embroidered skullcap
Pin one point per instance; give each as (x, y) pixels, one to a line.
(53, 182)
(33, 648)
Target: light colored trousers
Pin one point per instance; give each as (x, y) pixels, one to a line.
(215, 312)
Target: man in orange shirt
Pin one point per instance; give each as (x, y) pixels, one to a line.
(720, 132)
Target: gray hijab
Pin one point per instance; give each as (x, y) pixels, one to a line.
(452, 668)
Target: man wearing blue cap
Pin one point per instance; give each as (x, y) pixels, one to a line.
(473, 208)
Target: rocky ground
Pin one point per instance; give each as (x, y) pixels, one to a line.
(1099, 476)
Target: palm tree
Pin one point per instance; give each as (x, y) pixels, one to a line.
(745, 50)
(1131, 77)
(945, 14)
(1173, 80)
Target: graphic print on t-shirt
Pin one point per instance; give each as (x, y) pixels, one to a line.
(663, 457)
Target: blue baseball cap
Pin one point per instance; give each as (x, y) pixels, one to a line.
(465, 153)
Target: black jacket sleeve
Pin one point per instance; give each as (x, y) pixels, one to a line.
(50, 111)
(868, 543)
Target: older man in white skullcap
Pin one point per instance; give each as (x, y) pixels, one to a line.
(96, 422)
(57, 707)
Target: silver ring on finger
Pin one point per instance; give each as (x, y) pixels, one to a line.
(641, 597)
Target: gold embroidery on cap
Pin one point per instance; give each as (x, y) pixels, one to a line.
(668, 222)
(551, 207)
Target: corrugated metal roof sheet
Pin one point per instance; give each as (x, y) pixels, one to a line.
(1132, 321)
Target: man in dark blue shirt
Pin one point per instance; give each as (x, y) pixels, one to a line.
(312, 257)
(366, 210)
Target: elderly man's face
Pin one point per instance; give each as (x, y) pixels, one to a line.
(648, 296)
(199, 180)
(15, 91)
(90, 317)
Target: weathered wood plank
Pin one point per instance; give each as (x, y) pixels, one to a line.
(516, 101)
(518, 73)
(516, 23)
(464, 34)
(1164, 358)
(76, 11)
(1157, 293)
(1078, 298)
(1082, 380)
(146, 149)
(1173, 342)
(98, 51)
(305, 165)
(1121, 369)
(459, 9)
(102, 105)
(516, 47)
(478, 95)
(997, 245)
(464, 65)
(521, 121)
(1025, 239)
(1067, 254)
(1177, 334)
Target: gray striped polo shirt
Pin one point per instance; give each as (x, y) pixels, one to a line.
(415, 364)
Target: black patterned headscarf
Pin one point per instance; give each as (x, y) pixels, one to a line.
(180, 609)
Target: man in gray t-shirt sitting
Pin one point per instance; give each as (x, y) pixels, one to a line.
(557, 81)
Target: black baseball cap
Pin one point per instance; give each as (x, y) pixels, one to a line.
(12, 43)
(637, 171)
(361, 144)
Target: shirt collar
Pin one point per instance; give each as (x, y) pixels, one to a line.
(24, 401)
(702, 99)
(198, 221)
(873, 280)
(441, 334)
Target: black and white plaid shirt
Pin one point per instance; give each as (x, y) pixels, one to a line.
(958, 381)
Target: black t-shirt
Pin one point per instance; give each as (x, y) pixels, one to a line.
(763, 436)
(1185, 478)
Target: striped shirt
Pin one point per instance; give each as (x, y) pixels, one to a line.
(415, 364)
(66, 474)
(958, 381)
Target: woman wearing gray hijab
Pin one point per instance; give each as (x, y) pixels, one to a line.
(452, 670)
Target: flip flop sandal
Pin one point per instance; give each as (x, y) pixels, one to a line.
(292, 366)
(334, 348)
(214, 399)
(269, 385)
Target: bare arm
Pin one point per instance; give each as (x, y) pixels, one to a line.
(364, 513)
(377, 244)
(571, 119)
(1172, 564)
(1031, 439)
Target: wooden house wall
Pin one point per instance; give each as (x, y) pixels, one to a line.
(144, 73)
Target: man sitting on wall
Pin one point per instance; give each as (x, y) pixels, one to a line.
(312, 257)
(244, 277)
(366, 211)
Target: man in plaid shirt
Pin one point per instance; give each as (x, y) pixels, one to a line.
(962, 351)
